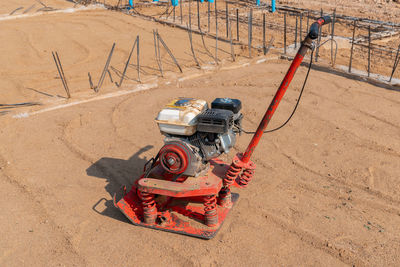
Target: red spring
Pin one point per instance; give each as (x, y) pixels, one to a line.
(149, 207)
(210, 203)
(210, 211)
(246, 177)
(224, 197)
(231, 174)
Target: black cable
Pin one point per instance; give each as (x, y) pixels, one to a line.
(297, 103)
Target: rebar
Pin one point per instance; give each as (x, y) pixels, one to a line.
(28, 9)
(205, 47)
(295, 33)
(167, 13)
(15, 10)
(156, 51)
(103, 74)
(227, 18)
(110, 76)
(190, 13)
(216, 31)
(180, 8)
(158, 48)
(237, 24)
(284, 33)
(90, 81)
(369, 50)
(45, 9)
(333, 36)
(249, 30)
(301, 26)
(16, 105)
(352, 46)
(127, 63)
(191, 47)
(138, 57)
(230, 40)
(168, 51)
(208, 15)
(40, 2)
(61, 72)
(396, 62)
(264, 47)
(198, 14)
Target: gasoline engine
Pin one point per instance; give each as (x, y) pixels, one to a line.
(195, 134)
(186, 187)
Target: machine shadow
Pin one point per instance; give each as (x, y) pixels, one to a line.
(118, 173)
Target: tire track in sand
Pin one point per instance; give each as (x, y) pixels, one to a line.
(316, 242)
(367, 114)
(392, 201)
(354, 199)
(67, 139)
(40, 210)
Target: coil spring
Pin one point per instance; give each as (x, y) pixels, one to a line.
(210, 210)
(246, 177)
(149, 207)
(210, 203)
(148, 201)
(231, 174)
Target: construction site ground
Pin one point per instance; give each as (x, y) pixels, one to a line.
(326, 188)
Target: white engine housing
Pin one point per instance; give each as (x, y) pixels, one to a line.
(179, 117)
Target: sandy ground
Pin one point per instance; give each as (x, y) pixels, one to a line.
(325, 190)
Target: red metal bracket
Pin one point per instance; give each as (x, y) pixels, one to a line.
(197, 215)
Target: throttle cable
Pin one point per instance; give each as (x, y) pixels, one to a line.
(297, 103)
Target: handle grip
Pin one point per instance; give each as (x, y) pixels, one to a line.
(327, 19)
(314, 29)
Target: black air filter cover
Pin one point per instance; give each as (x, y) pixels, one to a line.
(234, 105)
(215, 121)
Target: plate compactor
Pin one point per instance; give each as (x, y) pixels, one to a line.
(186, 188)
